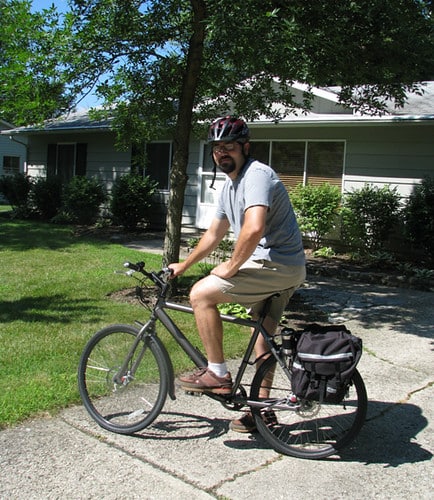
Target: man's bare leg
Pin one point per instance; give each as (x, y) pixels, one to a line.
(261, 348)
(204, 298)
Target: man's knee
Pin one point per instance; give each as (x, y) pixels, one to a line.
(205, 292)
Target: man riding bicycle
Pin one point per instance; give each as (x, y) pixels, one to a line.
(268, 256)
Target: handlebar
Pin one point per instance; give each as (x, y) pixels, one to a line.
(159, 278)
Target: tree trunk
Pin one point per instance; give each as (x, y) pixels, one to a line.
(178, 174)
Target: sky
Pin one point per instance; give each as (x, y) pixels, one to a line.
(61, 6)
(38, 5)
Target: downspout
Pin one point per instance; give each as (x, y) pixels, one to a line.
(12, 138)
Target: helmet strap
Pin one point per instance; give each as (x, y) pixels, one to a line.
(214, 175)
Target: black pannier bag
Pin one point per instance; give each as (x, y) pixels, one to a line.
(326, 358)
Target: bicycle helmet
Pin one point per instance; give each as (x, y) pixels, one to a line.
(228, 128)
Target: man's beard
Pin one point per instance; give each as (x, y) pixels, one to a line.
(228, 165)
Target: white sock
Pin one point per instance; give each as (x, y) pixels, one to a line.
(220, 369)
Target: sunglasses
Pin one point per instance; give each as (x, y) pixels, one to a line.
(230, 146)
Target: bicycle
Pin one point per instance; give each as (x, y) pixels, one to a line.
(125, 375)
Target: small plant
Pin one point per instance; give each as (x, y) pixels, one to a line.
(234, 310)
(192, 242)
(46, 196)
(405, 268)
(205, 268)
(132, 200)
(424, 274)
(324, 252)
(381, 258)
(16, 189)
(223, 250)
(419, 216)
(369, 216)
(82, 199)
(316, 208)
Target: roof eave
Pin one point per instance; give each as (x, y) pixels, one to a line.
(347, 120)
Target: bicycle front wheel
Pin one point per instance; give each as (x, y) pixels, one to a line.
(123, 388)
(306, 429)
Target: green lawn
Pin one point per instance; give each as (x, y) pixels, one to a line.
(54, 294)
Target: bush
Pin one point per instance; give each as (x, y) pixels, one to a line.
(16, 189)
(47, 196)
(132, 200)
(316, 208)
(82, 199)
(419, 216)
(369, 216)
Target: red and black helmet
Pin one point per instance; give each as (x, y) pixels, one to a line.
(228, 128)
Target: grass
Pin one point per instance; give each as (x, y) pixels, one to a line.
(54, 294)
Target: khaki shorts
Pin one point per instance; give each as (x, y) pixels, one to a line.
(257, 280)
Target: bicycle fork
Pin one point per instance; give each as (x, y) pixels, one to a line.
(126, 373)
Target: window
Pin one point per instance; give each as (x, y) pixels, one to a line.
(11, 165)
(153, 159)
(66, 160)
(325, 163)
(158, 162)
(303, 162)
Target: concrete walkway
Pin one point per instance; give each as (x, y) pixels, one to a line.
(190, 453)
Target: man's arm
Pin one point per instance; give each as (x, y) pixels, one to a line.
(209, 242)
(250, 235)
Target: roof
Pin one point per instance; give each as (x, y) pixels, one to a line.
(419, 104)
(416, 103)
(78, 121)
(5, 125)
(418, 108)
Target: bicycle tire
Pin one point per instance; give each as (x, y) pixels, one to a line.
(124, 408)
(307, 429)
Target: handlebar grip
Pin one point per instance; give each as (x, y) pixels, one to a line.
(135, 267)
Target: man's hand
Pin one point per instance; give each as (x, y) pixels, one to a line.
(178, 268)
(224, 270)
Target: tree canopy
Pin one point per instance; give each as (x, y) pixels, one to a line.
(32, 79)
(165, 66)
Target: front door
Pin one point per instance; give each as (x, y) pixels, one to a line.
(65, 162)
(207, 196)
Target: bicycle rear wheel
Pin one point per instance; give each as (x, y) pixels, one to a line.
(307, 429)
(123, 400)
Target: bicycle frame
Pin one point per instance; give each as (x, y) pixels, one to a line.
(159, 313)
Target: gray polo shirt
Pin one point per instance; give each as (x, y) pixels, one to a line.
(258, 184)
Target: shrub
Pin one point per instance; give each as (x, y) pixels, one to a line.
(419, 216)
(82, 199)
(47, 196)
(369, 216)
(16, 189)
(132, 200)
(316, 208)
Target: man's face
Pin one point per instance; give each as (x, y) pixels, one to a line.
(229, 156)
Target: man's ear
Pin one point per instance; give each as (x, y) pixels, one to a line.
(246, 148)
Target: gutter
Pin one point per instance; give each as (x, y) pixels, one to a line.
(351, 120)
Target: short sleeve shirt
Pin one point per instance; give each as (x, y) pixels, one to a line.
(258, 184)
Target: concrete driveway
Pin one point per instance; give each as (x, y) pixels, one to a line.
(190, 453)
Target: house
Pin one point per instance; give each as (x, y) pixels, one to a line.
(12, 151)
(331, 144)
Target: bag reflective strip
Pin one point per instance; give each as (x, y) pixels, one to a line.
(297, 365)
(324, 357)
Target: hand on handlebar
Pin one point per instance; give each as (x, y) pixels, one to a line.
(177, 268)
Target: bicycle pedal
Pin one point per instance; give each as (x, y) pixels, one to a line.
(193, 393)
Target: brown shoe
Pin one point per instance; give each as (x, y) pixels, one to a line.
(204, 380)
(247, 422)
